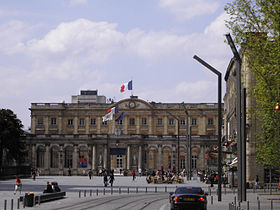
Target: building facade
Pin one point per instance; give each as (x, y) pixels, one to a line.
(73, 136)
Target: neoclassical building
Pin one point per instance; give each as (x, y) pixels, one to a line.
(72, 135)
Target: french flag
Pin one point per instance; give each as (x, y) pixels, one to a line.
(114, 110)
(126, 86)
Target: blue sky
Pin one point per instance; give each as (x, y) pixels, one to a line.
(50, 50)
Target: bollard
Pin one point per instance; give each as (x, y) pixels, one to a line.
(5, 205)
(259, 205)
(136, 189)
(271, 205)
(39, 200)
(104, 191)
(165, 189)
(247, 205)
(235, 200)
(97, 191)
(239, 204)
(128, 190)
(229, 206)
(85, 193)
(225, 191)
(24, 202)
(146, 189)
(12, 204)
(79, 193)
(90, 193)
(120, 190)
(211, 199)
(111, 191)
(34, 203)
(155, 189)
(18, 202)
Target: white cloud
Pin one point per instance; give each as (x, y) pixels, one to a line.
(77, 2)
(187, 9)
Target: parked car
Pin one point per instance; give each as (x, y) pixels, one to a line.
(188, 198)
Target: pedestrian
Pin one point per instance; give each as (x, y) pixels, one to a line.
(90, 174)
(257, 182)
(18, 186)
(105, 180)
(112, 178)
(34, 175)
(133, 175)
(140, 171)
(69, 171)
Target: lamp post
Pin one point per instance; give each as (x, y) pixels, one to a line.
(188, 143)
(219, 74)
(241, 145)
(178, 144)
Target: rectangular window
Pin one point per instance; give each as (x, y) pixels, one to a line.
(119, 122)
(119, 161)
(144, 121)
(159, 122)
(70, 122)
(131, 121)
(182, 163)
(171, 122)
(53, 121)
(194, 161)
(210, 121)
(40, 121)
(193, 121)
(93, 121)
(182, 122)
(104, 123)
(82, 122)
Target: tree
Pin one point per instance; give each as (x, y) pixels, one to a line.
(10, 136)
(255, 25)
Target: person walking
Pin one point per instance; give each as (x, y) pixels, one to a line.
(105, 180)
(257, 182)
(18, 186)
(112, 178)
(90, 174)
(140, 172)
(133, 175)
(34, 174)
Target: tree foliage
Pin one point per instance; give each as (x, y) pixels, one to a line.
(10, 136)
(255, 25)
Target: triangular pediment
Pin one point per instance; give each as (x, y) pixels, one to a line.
(133, 103)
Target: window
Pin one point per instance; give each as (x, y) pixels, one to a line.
(82, 122)
(68, 158)
(144, 121)
(159, 122)
(93, 121)
(119, 161)
(171, 122)
(104, 123)
(54, 158)
(53, 121)
(131, 121)
(182, 122)
(70, 122)
(194, 161)
(193, 121)
(210, 121)
(182, 163)
(119, 122)
(40, 121)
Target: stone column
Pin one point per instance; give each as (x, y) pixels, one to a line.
(125, 124)
(98, 123)
(75, 158)
(137, 124)
(140, 157)
(105, 157)
(46, 123)
(47, 158)
(33, 123)
(87, 122)
(159, 164)
(60, 125)
(165, 124)
(34, 156)
(93, 164)
(128, 158)
(76, 125)
(150, 123)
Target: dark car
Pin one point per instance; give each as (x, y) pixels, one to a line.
(192, 198)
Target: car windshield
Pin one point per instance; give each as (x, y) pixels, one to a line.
(189, 190)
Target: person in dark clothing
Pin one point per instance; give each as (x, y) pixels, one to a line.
(55, 187)
(69, 172)
(105, 179)
(90, 174)
(112, 178)
(48, 188)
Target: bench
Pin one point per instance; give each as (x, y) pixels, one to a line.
(44, 197)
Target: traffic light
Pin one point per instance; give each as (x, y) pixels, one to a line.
(277, 107)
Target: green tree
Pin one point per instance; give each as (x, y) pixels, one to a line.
(10, 136)
(255, 25)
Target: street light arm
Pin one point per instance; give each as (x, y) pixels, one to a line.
(185, 109)
(172, 115)
(233, 48)
(215, 71)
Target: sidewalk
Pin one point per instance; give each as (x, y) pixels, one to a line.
(73, 184)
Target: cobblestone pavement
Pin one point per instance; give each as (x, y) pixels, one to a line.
(73, 184)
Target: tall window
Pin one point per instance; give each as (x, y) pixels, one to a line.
(159, 122)
(131, 121)
(119, 161)
(70, 122)
(53, 121)
(68, 158)
(182, 163)
(193, 121)
(93, 121)
(104, 123)
(40, 121)
(119, 122)
(194, 161)
(171, 122)
(144, 121)
(82, 122)
(182, 122)
(54, 157)
(40, 157)
(210, 121)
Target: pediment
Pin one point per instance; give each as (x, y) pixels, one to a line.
(133, 103)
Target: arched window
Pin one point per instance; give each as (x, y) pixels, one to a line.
(68, 163)
(54, 157)
(40, 156)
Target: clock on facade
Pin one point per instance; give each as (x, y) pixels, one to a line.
(131, 104)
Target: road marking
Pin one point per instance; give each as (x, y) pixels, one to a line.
(163, 207)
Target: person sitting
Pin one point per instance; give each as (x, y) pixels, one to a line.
(55, 187)
(49, 188)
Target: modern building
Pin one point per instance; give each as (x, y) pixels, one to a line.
(72, 135)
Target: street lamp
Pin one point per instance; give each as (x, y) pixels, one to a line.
(240, 148)
(188, 143)
(219, 74)
(178, 144)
